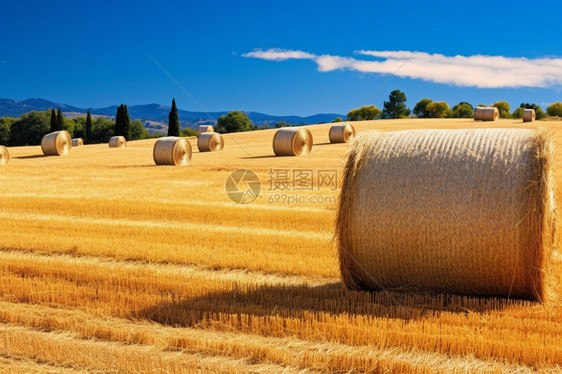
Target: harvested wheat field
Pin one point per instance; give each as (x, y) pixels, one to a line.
(110, 263)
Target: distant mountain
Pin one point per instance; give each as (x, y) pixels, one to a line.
(151, 114)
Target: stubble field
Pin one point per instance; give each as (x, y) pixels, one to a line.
(109, 263)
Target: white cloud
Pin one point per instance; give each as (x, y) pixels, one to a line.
(477, 70)
(276, 54)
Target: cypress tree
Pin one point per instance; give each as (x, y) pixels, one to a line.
(53, 120)
(60, 121)
(173, 121)
(126, 123)
(118, 121)
(89, 126)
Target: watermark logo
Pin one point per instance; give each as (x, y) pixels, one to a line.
(243, 186)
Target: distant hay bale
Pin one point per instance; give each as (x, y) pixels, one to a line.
(204, 128)
(172, 150)
(117, 142)
(4, 155)
(77, 142)
(341, 133)
(292, 141)
(462, 211)
(57, 143)
(486, 113)
(528, 115)
(210, 142)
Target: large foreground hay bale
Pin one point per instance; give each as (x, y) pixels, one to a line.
(210, 142)
(342, 133)
(461, 211)
(77, 142)
(4, 155)
(204, 128)
(172, 150)
(117, 142)
(57, 143)
(528, 115)
(486, 113)
(292, 141)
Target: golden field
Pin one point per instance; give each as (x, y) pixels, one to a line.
(112, 264)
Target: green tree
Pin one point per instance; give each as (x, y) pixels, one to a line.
(338, 119)
(555, 110)
(103, 129)
(280, 124)
(138, 131)
(463, 110)
(30, 128)
(503, 108)
(173, 121)
(89, 127)
(53, 123)
(396, 107)
(518, 113)
(482, 105)
(234, 121)
(123, 122)
(59, 121)
(188, 131)
(420, 110)
(438, 109)
(365, 113)
(80, 128)
(5, 125)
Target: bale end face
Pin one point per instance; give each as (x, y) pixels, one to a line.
(292, 141)
(461, 211)
(57, 143)
(172, 151)
(4, 155)
(341, 133)
(210, 142)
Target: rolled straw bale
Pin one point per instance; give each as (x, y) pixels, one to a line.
(461, 211)
(478, 113)
(57, 143)
(210, 142)
(341, 133)
(528, 115)
(77, 141)
(204, 128)
(4, 155)
(172, 150)
(117, 142)
(292, 141)
(486, 113)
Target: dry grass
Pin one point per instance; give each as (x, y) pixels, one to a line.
(106, 264)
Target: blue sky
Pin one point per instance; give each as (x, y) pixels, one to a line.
(99, 55)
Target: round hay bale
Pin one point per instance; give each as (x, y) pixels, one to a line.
(172, 150)
(478, 113)
(117, 142)
(4, 155)
(77, 142)
(210, 142)
(528, 115)
(342, 133)
(204, 128)
(57, 143)
(292, 141)
(486, 113)
(461, 211)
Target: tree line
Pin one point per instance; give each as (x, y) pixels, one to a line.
(30, 128)
(396, 107)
